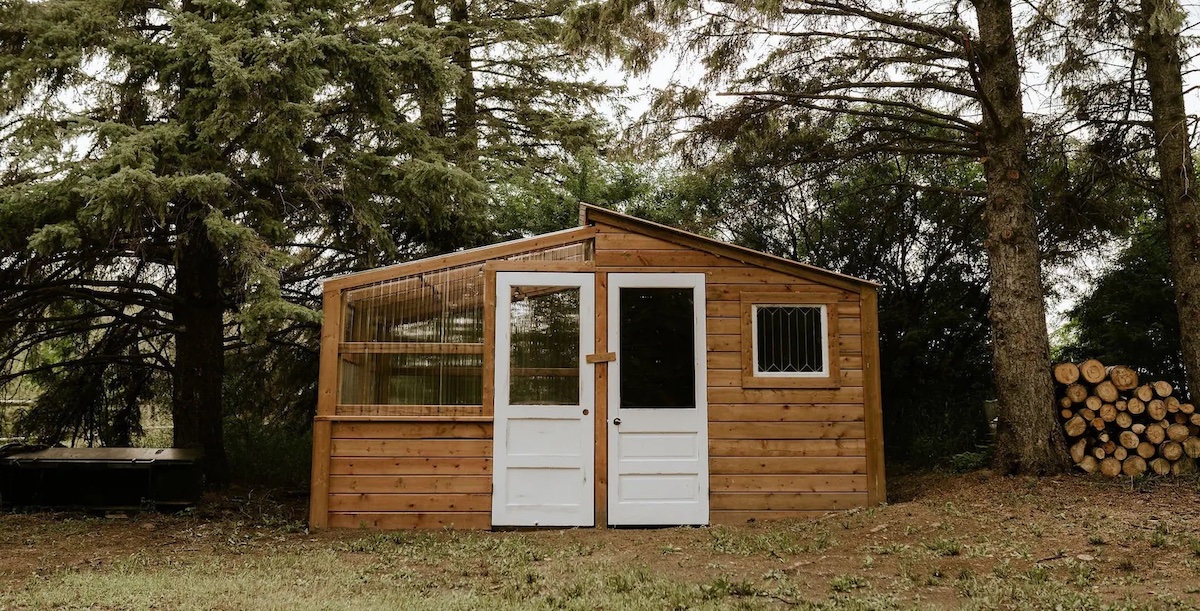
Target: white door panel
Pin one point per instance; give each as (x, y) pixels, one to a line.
(544, 453)
(658, 401)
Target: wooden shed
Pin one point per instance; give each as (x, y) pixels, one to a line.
(620, 373)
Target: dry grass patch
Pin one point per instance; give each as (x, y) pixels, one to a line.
(970, 541)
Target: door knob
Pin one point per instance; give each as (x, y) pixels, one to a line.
(617, 421)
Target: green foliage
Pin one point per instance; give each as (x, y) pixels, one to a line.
(300, 138)
(1129, 317)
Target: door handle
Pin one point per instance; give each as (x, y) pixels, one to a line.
(617, 421)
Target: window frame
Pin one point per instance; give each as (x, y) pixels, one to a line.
(752, 377)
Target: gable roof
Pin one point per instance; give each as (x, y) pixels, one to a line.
(589, 214)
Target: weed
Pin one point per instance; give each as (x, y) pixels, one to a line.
(889, 549)
(1097, 539)
(1126, 565)
(1158, 538)
(945, 547)
(722, 588)
(774, 575)
(1082, 574)
(845, 583)
(1037, 574)
(970, 461)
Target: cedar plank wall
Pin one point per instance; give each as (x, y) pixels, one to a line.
(773, 453)
(396, 475)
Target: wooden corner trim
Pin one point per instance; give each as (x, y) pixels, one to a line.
(873, 398)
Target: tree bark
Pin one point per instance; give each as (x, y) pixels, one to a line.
(199, 313)
(1159, 47)
(429, 99)
(466, 112)
(1027, 437)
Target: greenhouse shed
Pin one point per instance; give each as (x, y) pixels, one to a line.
(620, 373)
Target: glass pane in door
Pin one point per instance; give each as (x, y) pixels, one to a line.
(544, 363)
(658, 348)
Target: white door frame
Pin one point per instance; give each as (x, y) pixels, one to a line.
(545, 423)
(666, 421)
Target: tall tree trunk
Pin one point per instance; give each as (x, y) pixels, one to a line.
(429, 98)
(1028, 439)
(1159, 46)
(199, 351)
(466, 113)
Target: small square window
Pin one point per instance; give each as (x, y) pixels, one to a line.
(790, 340)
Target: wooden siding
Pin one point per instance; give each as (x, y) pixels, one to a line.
(410, 474)
(773, 452)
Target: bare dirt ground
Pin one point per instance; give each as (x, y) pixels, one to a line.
(946, 541)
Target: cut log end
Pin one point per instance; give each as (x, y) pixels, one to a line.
(1092, 371)
(1107, 391)
(1110, 467)
(1133, 466)
(1163, 389)
(1124, 378)
(1066, 373)
(1160, 466)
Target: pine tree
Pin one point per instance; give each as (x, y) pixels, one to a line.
(166, 166)
(521, 105)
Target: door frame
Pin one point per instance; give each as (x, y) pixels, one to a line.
(615, 282)
(586, 281)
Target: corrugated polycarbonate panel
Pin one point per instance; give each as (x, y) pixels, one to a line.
(414, 345)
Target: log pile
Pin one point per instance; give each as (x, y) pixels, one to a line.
(1116, 425)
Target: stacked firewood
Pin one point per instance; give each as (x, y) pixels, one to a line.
(1116, 425)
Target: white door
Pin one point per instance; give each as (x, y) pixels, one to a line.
(658, 400)
(544, 457)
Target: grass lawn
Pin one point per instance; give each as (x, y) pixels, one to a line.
(973, 541)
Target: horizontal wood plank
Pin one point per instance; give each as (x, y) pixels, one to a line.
(412, 430)
(733, 309)
(372, 417)
(410, 484)
(733, 378)
(621, 241)
(729, 325)
(786, 430)
(786, 501)
(735, 518)
(733, 292)
(410, 502)
(806, 465)
(795, 412)
(408, 521)
(846, 394)
(669, 258)
(733, 360)
(788, 483)
(410, 466)
(765, 448)
(472, 448)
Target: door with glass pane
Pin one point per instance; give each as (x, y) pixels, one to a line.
(658, 400)
(543, 465)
